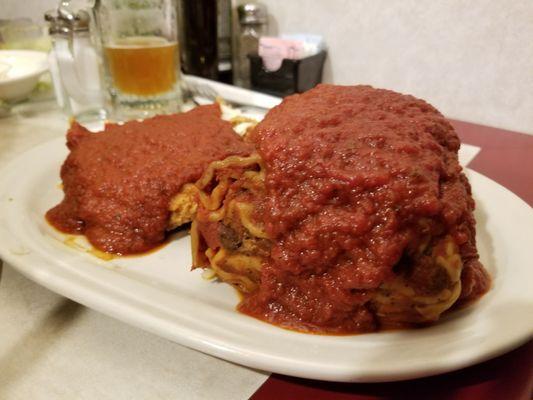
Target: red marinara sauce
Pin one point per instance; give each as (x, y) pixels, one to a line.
(350, 172)
(118, 183)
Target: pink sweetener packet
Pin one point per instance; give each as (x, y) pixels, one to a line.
(273, 50)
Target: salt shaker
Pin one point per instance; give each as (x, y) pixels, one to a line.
(252, 25)
(74, 65)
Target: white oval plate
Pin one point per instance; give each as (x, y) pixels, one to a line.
(158, 292)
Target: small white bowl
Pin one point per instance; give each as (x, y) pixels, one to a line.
(19, 72)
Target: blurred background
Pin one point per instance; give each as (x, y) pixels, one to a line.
(471, 60)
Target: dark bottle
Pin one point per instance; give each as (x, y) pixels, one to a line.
(225, 70)
(199, 55)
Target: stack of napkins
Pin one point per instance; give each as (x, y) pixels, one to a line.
(293, 47)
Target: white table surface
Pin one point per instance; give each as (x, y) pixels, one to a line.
(54, 348)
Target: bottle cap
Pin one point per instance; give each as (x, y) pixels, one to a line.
(252, 13)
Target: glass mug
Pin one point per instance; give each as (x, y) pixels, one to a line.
(139, 48)
(136, 43)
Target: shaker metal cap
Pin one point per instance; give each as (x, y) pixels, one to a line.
(63, 21)
(252, 13)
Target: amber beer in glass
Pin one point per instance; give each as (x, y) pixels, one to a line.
(141, 57)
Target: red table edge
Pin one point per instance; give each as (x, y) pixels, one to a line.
(507, 158)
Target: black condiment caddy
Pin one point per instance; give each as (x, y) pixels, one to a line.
(294, 76)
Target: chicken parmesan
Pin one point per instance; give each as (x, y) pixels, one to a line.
(352, 215)
(121, 185)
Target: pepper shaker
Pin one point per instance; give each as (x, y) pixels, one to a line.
(252, 25)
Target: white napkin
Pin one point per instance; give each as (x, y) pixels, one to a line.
(467, 152)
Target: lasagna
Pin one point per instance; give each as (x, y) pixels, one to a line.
(351, 215)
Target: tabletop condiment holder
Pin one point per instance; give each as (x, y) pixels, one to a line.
(294, 76)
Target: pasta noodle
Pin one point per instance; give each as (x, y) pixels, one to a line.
(239, 267)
